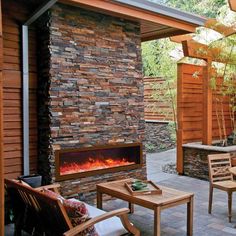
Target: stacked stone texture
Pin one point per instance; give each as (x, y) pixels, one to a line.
(196, 162)
(158, 137)
(95, 88)
(44, 145)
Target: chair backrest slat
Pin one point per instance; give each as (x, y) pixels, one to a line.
(218, 162)
(48, 210)
(219, 165)
(216, 179)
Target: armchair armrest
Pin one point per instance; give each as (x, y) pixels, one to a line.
(122, 213)
(54, 187)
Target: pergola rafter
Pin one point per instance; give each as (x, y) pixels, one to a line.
(219, 27)
(194, 49)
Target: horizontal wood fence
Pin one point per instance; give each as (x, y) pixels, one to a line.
(156, 109)
(13, 17)
(190, 108)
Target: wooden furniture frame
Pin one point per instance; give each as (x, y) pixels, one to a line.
(221, 178)
(232, 170)
(51, 216)
(169, 198)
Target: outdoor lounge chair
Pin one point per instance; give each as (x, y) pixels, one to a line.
(221, 178)
(49, 215)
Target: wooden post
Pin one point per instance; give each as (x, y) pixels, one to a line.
(180, 164)
(1, 131)
(207, 105)
(232, 5)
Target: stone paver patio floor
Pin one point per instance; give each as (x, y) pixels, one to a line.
(173, 221)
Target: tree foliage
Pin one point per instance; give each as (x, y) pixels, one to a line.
(157, 60)
(208, 8)
(156, 54)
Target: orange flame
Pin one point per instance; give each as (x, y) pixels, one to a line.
(92, 164)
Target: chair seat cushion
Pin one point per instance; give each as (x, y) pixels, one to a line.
(109, 227)
(227, 184)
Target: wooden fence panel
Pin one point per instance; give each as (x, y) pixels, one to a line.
(155, 110)
(190, 99)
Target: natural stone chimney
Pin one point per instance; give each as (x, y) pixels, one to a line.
(90, 88)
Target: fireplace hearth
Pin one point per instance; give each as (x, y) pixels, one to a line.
(82, 162)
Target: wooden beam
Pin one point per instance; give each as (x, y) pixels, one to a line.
(180, 158)
(210, 24)
(232, 5)
(219, 27)
(129, 12)
(207, 105)
(194, 49)
(181, 38)
(1, 131)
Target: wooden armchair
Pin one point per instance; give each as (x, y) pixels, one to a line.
(51, 216)
(221, 178)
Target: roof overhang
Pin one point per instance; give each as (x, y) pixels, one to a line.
(157, 21)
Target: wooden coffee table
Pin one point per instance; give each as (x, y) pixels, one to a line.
(157, 202)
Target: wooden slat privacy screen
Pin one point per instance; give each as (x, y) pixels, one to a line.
(190, 109)
(154, 108)
(13, 16)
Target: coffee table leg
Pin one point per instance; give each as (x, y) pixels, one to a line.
(157, 221)
(99, 200)
(131, 208)
(190, 217)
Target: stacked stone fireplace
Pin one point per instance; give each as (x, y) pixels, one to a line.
(90, 97)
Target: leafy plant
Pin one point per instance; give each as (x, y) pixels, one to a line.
(172, 130)
(158, 60)
(149, 147)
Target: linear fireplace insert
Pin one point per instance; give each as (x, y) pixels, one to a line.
(83, 162)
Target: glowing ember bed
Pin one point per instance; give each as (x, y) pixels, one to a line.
(81, 162)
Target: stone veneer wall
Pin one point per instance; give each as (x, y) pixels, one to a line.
(44, 121)
(196, 162)
(158, 137)
(92, 92)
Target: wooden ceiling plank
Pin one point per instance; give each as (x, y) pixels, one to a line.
(160, 35)
(144, 32)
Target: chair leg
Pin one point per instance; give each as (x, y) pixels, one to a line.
(210, 199)
(230, 206)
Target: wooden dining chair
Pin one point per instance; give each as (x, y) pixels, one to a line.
(221, 178)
